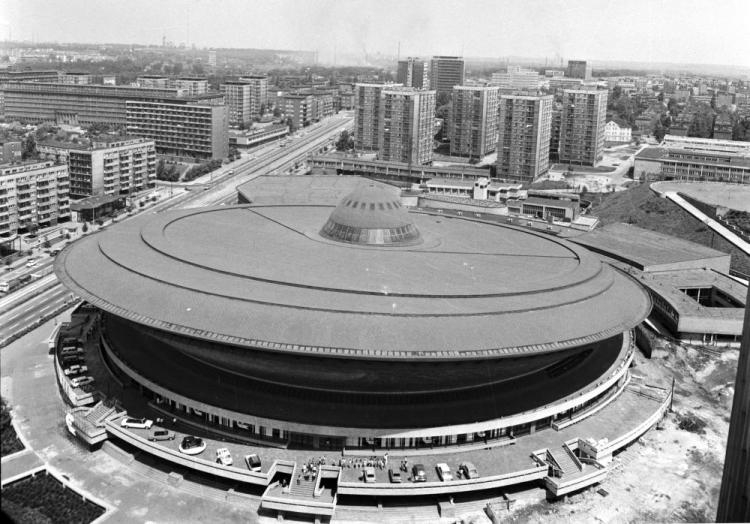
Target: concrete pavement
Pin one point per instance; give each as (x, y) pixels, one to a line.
(29, 382)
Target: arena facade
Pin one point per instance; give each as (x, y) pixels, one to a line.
(363, 327)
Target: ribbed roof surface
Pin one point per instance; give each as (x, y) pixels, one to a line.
(371, 215)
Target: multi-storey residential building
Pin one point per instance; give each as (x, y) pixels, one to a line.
(36, 102)
(75, 78)
(191, 85)
(7, 76)
(694, 159)
(524, 130)
(554, 140)
(237, 95)
(108, 166)
(10, 151)
(616, 133)
(473, 123)
(32, 193)
(258, 93)
(185, 128)
(413, 72)
(154, 81)
(367, 101)
(723, 127)
(582, 126)
(516, 78)
(299, 107)
(445, 73)
(406, 120)
(578, 69)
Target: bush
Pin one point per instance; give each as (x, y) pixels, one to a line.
(10, 441)
(692, 423)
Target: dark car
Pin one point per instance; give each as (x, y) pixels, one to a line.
(161, 434)
(418, 473)
(394, 476)
(253, 462)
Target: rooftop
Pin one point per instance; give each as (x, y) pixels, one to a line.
(644, 248)
(263, 276)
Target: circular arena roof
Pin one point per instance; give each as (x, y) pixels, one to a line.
(268, 277)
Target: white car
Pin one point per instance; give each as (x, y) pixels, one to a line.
(444, 472)
(223, 457)
(32, 263)
(81, 381)
(76, 369)
(191, 445)
(138, 423)
(71, 350)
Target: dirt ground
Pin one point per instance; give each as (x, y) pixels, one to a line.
(669, 474)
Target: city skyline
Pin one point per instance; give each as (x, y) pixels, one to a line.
(670, 31)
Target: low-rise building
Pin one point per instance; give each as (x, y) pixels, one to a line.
(723, 127)
(694, 159)
(106, 166)
(32, 194)
(616, 134)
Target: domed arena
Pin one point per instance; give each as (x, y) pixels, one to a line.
(364, 324)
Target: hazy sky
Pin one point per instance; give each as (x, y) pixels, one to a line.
(683, 31)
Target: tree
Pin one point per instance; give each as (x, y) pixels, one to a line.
(345, 141)
(276, 112)
(85, 227)
(28, 149)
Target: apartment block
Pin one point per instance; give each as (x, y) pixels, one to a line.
(191, 85)
(154, 81)
(10, 151)
(406, 118)
(517, 78)
(413, 72)
(32, 193)
(367, 99)
(445, 73)
(299, 108)
(75, 78)
(524, 134)
(191, 129)
(578, 69)
(258, 92)
(582, 126)
(237, 96)
(112, 166)
(37, 102)
(473, 122)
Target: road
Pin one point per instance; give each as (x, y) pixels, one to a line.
(17, 309)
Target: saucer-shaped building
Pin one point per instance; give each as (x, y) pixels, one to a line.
(359, 325)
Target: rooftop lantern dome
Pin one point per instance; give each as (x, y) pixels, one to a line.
(371, 215)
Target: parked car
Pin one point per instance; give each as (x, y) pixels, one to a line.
(32, 262)
(469, 470)
(71, 350)
(75, 369)
(394, 476)
(72, 359)
(224, 457)
(137, 423)
(369, 475)
(444, 472)
(191, 445)
(81, 381)
(418, 473)
(253, 462)
(160, 434)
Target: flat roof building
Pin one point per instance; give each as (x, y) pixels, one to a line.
(517, 79)
(445, 73)
(413, 72)
(10, 151)
(191, 85)
(524, 133)
(406, 119)
(578, 69)
(32, 193)
(258, 93)
(114, 166)
(473, 123)
(694, 159)
(367, 100)
(582, 127)
(192, 129)
(36, 102)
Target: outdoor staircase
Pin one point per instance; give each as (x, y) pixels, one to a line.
(304, 490)
(563, 459)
